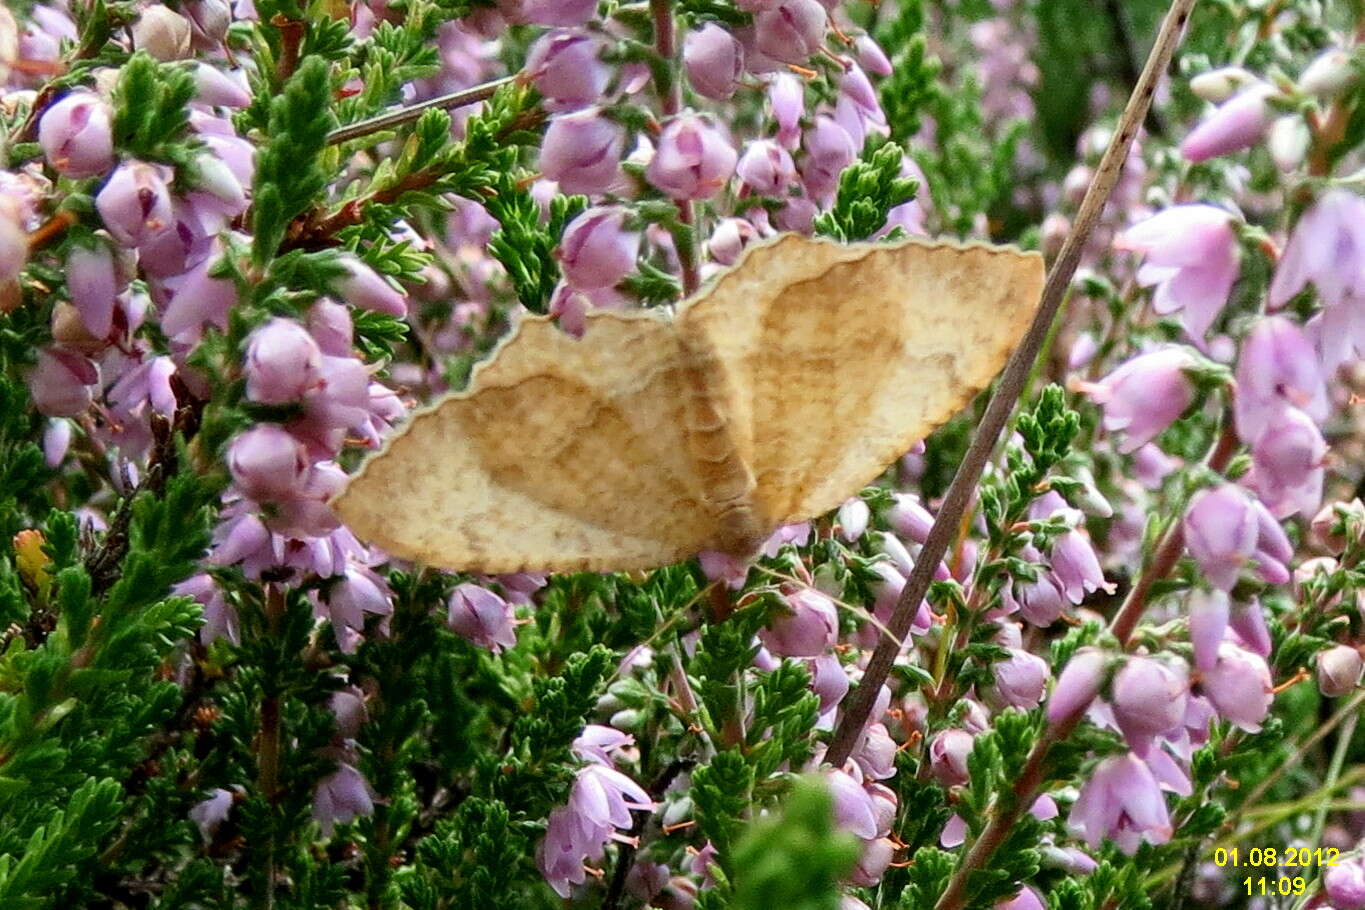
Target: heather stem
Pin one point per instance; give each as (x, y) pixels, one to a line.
(1011, 385)
(670, 101)
(268, 745)
(411, 112)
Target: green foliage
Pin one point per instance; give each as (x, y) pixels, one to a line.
(289, 173)
(795, 859)
(151, 112)
(723, 791)
(868, 190)
(80, 693)
(23, 474)
(523, 245)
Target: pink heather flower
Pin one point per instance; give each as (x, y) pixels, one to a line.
(791, 31)
(567, 844)
(363, 287)
(268, 463)
(1236, 124)
(1221, 532)
(870, 56)
(214, 87)
(359, 591)
(1210, 612)
(348, 708)
(341, 797)
(948, 756)
(876, 753)
(1339, 669)
(693, 159)
(909, 519)
(766, 168)
(884, 805)
(1145, 395)
(209, 814)
(597, 249)
(282, 362)
(828, 680)
(873, 863)
(62, 384)
(1026, 899)
(582, 151)
(729, 239)
(1190, 255)
(193, 300)
(829, 149)
(854, 810)
(94, 283)
(135, 204)
(1344, 884)
(603, 796)
(56, 442)
(220, 619)
(1327, 250)
(1248, 623)
(787, 99)
(481, 617)
(1148, 700)
(1077, 685)
(76, 135)
(558, 12)
(1277, 369)
(188, 238)
(1020, 680)
(858, 109)
(13, 238)
(571, 305)
(808, 630)
(330, 325)
(1123, 802)
(567, 68)
(598, 743)
(1288, 461)
(1041, 601)
(214, 177)
(714, 60)
(1239, 687)
(1076, 566)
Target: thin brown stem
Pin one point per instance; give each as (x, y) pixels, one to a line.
(411, 112)
(670, 103)
(1007, 393)
(1167, 552)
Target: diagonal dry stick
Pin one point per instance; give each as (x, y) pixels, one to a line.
(1011, 385)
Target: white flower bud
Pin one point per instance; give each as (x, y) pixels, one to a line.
(1221, 84)
(163, 33)
(1288, 141)
(1328, 74)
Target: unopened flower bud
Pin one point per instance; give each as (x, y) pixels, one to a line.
(1077, 685)
(162, 32)
(76, 135)
(597, 249)
(693, 159)
(714, 60)
(1328, 74)
(1339, 669)
(582, 151)
(1220, 84)
(1288, 142)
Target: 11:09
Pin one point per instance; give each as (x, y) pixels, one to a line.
(1283, 886)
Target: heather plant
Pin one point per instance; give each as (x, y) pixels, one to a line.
(1095, 644)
